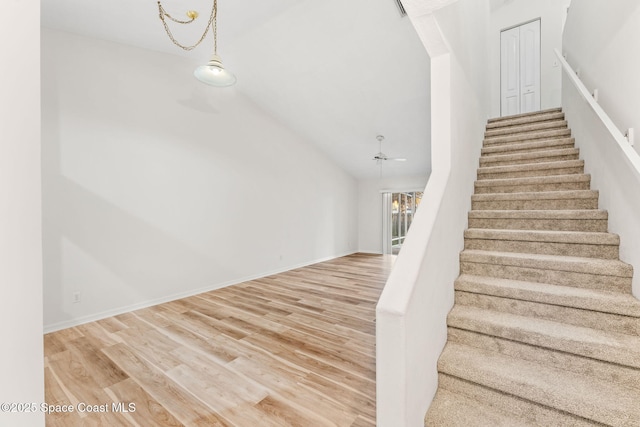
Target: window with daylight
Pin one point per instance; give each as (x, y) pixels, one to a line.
(403, 209)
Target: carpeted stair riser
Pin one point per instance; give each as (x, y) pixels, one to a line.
(557, 313)
(585, 397)
(579, 220)
(587, 299)
(532, 115)
(580, 244)
(611, 372)
(526, 127)
(565, 167)
(549, 200)
(608, 275)
(563, 278)
(587, 251)
(530, 147)
(526, 137)
(551, 114)
(606, 346)
(528, 158)
(521, 410)
(456, 410)
(531, 184)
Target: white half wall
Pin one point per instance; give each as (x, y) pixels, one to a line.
(602, 45)
(370, 207)
(21, 356)
(156, 186)
(411, 328)
(552, 14)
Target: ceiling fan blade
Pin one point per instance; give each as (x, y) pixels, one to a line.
(380, 156)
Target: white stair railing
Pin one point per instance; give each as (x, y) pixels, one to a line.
(624, 141)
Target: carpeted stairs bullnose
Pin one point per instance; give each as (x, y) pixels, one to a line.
(544, 330)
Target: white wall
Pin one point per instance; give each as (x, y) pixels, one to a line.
(598, 39)
(552, 14)
(370, 207)
(601, 43)
(156, 186)
(411, 313)
(21, 357)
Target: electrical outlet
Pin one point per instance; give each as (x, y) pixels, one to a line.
(76, 297)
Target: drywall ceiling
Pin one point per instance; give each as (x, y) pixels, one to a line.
(497, 4)
(338, 72)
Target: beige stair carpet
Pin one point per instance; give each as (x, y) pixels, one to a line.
(544, 330)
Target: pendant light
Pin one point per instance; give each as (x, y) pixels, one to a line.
(213, 73)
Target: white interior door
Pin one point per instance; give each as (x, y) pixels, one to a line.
(520, 69)
(510, 71)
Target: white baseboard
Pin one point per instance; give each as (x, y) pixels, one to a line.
(126, 309)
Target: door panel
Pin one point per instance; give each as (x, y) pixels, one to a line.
(520, 69)
(530, 67)
(510, 71)
(512, 106)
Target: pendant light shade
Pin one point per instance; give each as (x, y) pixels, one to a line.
(214, 73)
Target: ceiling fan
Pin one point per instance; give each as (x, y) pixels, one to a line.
(380, 156)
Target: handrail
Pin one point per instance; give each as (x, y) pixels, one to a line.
(632, 155)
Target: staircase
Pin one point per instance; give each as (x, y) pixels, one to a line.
(544, 330)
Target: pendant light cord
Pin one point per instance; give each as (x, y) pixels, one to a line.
(192, 15)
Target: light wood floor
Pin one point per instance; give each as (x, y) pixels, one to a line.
(293, 349)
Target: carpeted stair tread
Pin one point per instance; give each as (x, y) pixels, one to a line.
(542, 183)
(552, 113)
(576, 243)
(526, 127)
(532, 169)
(534, 413)
(542, 144)
(542, 195)
(611, 372)
(567, 220)
(456, 410)
(566, 296)
(554, 303)
(608, 346)
(587, 238)
(606, 267)
(527, 158)
(579, 272)
(578, 214)
(571, 199)
(557, 313)
(526, 136)
(589, 398)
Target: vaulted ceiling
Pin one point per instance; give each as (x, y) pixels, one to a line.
(338, 72)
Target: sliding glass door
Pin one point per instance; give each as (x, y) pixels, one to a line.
(400, 210)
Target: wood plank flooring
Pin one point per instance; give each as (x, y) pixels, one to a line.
(292, 349)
